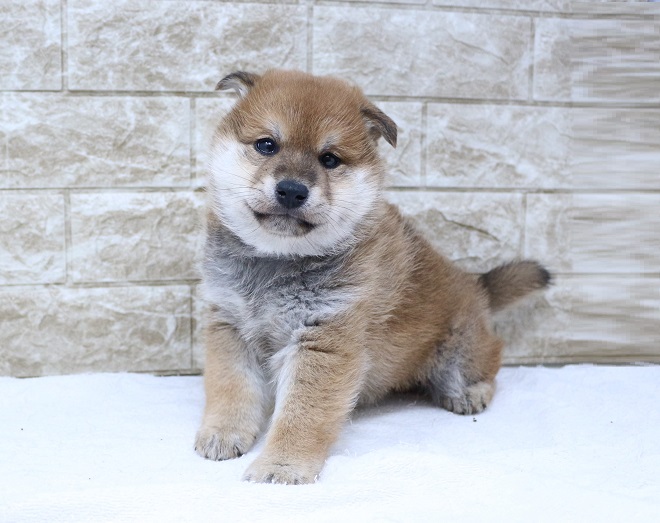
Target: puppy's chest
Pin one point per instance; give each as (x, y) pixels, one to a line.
(269, 302)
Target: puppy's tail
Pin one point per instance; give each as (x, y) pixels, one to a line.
(508, 283)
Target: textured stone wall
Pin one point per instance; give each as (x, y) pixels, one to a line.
(529, 128)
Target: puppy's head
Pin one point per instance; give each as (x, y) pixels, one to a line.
(294, 168)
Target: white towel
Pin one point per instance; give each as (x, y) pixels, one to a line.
(577, 443)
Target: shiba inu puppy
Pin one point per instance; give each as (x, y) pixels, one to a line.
(321, 295)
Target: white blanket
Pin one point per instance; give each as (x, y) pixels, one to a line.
(579, 443)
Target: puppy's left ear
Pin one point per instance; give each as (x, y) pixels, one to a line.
(239, 81)
(380, 124)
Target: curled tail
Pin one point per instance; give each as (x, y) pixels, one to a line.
(508, 283)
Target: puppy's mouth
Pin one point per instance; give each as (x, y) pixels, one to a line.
(285, 223)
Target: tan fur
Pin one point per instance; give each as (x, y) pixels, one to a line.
(403, 316)
(508, 283)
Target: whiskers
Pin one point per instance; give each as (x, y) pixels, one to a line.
(238, 171)
(244, 191)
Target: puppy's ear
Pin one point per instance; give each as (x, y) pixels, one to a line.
(239, 81)
(379, 124)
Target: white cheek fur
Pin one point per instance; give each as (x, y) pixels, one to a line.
(232, 188)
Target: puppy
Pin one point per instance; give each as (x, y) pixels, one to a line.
(321, 295)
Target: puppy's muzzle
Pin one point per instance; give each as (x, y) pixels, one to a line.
(291, 194)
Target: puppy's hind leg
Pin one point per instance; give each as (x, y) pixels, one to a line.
(461, 375)
(236, 396)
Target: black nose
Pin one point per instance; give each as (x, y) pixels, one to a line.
(291, 194)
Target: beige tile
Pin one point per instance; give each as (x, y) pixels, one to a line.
(404, 162)
(179, 46)
(602, 319)
(498, 146)
(32, 246)
(135, 236)
(524, 5)
(476, 230)
(30, 45)
(595, 233)
(536, 330)
(56, 141)
(494, 146)
(59, 330)
(610, 7)
(546, 230)
(615, 148)
(597, 60)
(553, 55)
(445, 54)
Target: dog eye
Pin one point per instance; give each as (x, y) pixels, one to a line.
(266, 146)
(329, 160)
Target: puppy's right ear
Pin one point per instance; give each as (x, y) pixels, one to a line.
(379, 124)
(239, 81)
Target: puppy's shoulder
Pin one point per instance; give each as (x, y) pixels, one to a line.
(395, 237)
(387, 252)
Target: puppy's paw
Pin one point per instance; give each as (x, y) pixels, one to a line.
(218, 443)
(265, 470)
(475, 399)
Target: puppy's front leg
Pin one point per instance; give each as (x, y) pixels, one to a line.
(235, 396)
(318, 382)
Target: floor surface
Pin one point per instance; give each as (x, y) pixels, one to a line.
(579, 443)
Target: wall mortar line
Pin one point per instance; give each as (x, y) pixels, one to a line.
(513, 102)
(65, 45)
(310, 36)
(530, 93)
(423, 146)
(523, 242)
(192, 146)
(192, 326)
(68, 239)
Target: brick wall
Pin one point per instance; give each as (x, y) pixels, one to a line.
(529, 128)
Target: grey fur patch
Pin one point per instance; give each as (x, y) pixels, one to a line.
(447, 376)
(269, 299)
